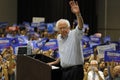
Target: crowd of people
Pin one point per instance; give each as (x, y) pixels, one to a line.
(101, 70)
(70, 50)
(7, 64)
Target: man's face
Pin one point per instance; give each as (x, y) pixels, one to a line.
(116, 71)
(102, 64)
(86, 65)
(94, 64)
(105, 72)
(63, 29)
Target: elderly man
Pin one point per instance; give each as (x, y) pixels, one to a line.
(93, 72)
(116, 72)
(70, 48)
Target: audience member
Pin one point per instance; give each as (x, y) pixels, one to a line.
(93, 72)
(116, 72)
(94, 56)
(106, 74)
(102, 65)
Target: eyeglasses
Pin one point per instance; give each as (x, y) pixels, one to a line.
(63, 28)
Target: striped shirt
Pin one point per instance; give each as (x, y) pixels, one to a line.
(70, 48)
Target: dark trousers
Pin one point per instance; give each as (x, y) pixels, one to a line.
(73, 73)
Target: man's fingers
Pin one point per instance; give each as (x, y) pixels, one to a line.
(76, 2)
(72, 3)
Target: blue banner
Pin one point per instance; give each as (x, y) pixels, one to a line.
(41, 43)
(85, 38)
(3, 24)
(102, 48)
(92, 44)
(4, 43)
(46, 44)
(52, 44)
(106, 39)
(112, 56)
(14, 42)
(34, 44)
(94, 41)
(22, 40)
(42, 26)
(117, 43)
(85, 41)
(50, 27)
(87, 52)
(93, 38)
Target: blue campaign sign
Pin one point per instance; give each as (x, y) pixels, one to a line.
(26, 23)
(46, 44)
(35, 24)
(102, 48)
(50, 27)
(92, 44)
(41, 43)
(4, 42)
(112, 56)
(85, 26)
(31, 28)
(22, 40)
(117, 43)
(93, 38)
(85, 41)
(107, 39)
(52, 44)
(87, 51)
(42, 26)
(94, 41)
(85, 38)
(3, 24)
(34, 44)
(14, 41)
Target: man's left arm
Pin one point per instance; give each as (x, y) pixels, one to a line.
(80, 21)
(75, 9)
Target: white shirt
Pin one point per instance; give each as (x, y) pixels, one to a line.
(70, 48)
(90, 75)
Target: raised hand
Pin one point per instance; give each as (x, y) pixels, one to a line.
(74, 7)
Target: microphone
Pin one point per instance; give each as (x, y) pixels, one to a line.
(40, 49)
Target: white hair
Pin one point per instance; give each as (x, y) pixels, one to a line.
(93, 61)
(62, 20)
